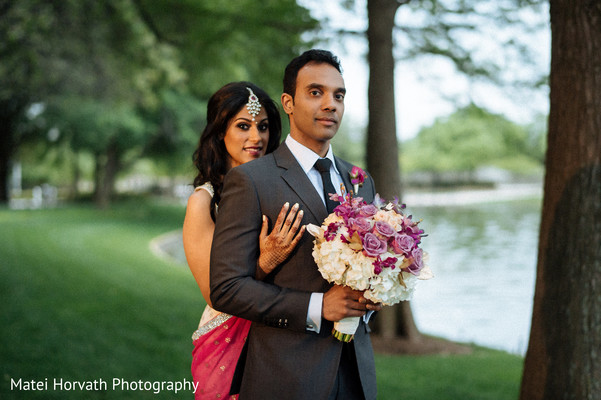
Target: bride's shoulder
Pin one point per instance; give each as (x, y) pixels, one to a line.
(207, 187)
(200, 199)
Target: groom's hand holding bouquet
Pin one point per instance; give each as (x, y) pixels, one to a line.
(336, 308)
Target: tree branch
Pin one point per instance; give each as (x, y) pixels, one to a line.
(149, 22)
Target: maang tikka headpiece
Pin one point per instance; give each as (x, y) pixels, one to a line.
(253, 106)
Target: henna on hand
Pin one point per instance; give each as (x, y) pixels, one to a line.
(285, 235)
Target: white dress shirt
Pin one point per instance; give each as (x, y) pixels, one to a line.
(307, 158)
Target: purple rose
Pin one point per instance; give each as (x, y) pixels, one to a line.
(368, 210)
(384, 229)
(373, 246)
(359, 224)
(411, 227)
(402, 244)
(418, 263)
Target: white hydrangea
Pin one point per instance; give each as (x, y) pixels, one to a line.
(338, 263)
(386, 288)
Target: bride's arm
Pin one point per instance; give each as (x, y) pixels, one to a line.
(198, 235)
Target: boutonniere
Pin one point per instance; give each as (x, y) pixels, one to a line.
(357, 178)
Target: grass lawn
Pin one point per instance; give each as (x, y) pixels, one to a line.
(84, 299)
(482, 375)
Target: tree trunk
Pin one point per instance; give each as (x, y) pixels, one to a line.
(6, 148)
(106, 173)
(382, 143)
(10, 111)
(74, 186)
(563, 360)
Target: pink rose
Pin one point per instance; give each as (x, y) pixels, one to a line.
(368, 210)
(402, 244)
(359, 224)
(384, 229)
(373, 246)
(418, 263)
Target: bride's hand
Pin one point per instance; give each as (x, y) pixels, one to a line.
(283, 238)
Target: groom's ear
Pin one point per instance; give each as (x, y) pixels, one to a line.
(287, 103)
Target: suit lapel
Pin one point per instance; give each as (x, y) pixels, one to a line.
(298, 181)
(345, 174)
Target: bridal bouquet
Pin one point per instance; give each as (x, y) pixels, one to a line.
(369, 247)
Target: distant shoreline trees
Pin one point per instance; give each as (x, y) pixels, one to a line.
(471, 139)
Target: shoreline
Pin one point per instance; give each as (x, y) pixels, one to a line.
(461, 197)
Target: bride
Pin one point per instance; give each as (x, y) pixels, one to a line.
(243, 123)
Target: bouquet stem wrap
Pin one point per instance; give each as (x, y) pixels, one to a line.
(344, 330)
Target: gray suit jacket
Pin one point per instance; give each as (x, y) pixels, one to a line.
(282, 358)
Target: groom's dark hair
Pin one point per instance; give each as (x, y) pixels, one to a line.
(313, 55)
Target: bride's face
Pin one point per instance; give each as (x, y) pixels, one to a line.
(246, 139)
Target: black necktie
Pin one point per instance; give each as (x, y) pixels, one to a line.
(323, 166)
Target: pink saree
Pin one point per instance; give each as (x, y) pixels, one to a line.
(217, 346)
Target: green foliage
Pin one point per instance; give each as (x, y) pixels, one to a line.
(92, 125)
(132, 77)
(46, 165)
(80, 48)
(177, 125)
(471, 138)
(224, 41)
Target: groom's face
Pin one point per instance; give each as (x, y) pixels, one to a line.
(318, 105)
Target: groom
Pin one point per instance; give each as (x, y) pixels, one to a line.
(291, 352)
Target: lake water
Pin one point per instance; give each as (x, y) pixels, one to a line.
(482, 249)
(483, 256)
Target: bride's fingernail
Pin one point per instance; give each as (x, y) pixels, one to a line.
(295, 206)
(286, 204)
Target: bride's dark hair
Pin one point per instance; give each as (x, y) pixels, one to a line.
(211, 157)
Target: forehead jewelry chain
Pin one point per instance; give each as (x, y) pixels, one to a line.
(253, 106)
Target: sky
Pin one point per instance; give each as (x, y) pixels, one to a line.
(430, 88)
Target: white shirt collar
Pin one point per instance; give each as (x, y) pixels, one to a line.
(307, 157)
